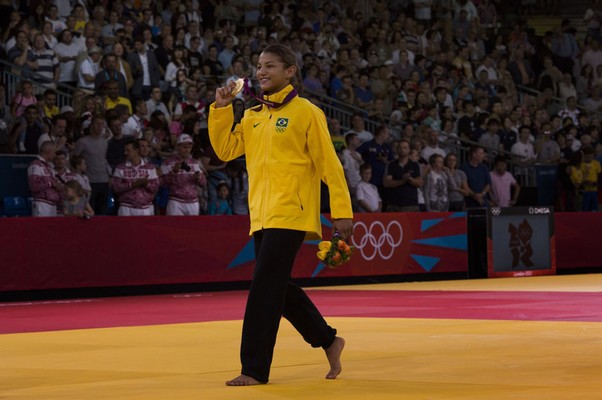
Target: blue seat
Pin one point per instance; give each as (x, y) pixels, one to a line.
(16, 206)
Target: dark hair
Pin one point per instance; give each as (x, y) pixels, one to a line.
(499, 159)
(289, 59)
(75, 160)
(365, 166)
(433, 157)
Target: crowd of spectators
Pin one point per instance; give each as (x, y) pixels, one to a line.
(142, 74)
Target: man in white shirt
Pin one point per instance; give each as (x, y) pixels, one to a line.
(89, 68)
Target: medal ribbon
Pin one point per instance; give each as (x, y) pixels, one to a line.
(272, 104)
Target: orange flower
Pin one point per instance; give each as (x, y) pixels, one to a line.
(336, 258)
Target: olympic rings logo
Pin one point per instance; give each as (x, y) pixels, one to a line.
(377, 240)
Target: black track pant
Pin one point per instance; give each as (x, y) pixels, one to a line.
(273, 295)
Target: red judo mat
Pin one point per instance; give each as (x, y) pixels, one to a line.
(19, 317)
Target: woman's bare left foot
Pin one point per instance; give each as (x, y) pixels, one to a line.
(333, 353)
(243, 380)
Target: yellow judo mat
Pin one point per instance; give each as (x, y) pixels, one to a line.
(385, 358)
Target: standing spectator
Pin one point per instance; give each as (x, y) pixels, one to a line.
(590, 169)
(565, 50)
(78, 169)
(523, 150)
(366, 193)
(50, 107)
(136, 183)
(47, 64)
(226, 56)
(491, 140)
(459, 189)
(432, 144)
(145, 70)
(66, 51)
(182, 174)
(438, 183)
(109, 31)
(44, 186)
(477, 177)
(352, 160)
(155, 103)
(22, 99)
(76, 203)
(358, 126)
(112, 97)
(238, 182)
(56, 134)
(116, 144)
(403, 178)
(20, 53)
(28, 131)
(110, 73)
(89, 68)
(221, 204)
(377, 153)
(93, 148)
(504, 188)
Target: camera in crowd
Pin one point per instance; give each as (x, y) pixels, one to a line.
(185, 167)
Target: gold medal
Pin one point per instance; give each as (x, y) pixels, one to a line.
(240, 84)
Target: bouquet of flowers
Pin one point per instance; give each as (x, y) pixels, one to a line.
(334, 252)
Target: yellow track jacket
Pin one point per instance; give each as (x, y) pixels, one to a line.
(288, 151)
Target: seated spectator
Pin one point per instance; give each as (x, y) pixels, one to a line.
(136, 183)
(44, 186)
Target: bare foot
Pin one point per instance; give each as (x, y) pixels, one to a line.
(333, 353)
(243, 380)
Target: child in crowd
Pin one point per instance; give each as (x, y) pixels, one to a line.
(78, 169)
(438, 183)
(366, 193)
(221, 205)
(504, 188)
(76, 203)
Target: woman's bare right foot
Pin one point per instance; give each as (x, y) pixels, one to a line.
(243, 380)
(333, 353)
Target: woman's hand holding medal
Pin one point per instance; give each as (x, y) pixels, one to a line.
(226, 94)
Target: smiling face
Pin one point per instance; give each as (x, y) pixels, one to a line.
(273, 75)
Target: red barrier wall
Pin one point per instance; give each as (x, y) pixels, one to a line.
(54, 253)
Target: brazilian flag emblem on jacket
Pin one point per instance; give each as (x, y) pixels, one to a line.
(281, 125)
